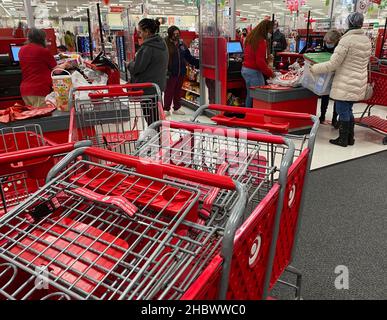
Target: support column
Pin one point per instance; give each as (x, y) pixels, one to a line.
(29, 13)
(233, 19)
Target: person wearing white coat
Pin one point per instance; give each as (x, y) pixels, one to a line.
(350, 64)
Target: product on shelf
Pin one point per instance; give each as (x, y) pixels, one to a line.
(233, 100)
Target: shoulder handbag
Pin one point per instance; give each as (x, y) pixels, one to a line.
(370, 85)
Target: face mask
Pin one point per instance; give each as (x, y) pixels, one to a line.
(269, 35)
(329, 46)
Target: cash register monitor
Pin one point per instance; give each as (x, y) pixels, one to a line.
(234, 47)
(15, 52)
(302, 46)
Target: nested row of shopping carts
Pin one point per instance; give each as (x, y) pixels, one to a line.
(171, 210)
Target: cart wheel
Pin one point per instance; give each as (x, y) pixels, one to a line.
(385, 140)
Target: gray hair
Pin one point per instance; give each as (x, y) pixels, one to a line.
(355, 20)
(37, 36)
(332, 36)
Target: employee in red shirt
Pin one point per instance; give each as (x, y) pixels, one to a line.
(36, 63)
(255, 65)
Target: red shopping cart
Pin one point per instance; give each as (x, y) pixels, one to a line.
(108, 230)
(257, 161)
(26, 158)
(379, 98)
(296, 180)
(113, 117)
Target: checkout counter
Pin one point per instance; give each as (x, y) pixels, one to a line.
(287, 99)
(10, 77)
(54, 127)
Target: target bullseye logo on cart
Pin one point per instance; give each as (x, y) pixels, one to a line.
(292, 195)
(254, 252)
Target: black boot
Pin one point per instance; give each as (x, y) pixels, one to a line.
(351, 133)
(342, 140)
(335, 123)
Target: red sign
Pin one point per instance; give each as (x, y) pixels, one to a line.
(376, 1)
(116, 9)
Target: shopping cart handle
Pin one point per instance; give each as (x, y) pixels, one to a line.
(261, 112)
(225, 132)
(158, 169)
(38, 152)
(117, 94)
(116, 87)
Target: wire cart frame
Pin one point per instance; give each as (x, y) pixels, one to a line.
(113, 117)
(379, 97)
(25, 159)
(291, 215)
(107, 230)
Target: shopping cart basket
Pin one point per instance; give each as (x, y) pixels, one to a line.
(113, 117)
(107, 230)
(379, 98)
(25, 159)
(296, 180)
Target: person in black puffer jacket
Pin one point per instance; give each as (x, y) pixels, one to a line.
(179, 56)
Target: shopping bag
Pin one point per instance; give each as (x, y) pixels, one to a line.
(320, 84)
(62, 85)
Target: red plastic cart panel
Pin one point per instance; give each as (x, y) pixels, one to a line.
(142, 191)
(289, 215)
(64, 252)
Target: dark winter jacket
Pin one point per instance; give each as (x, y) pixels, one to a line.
(179, 56)
(151, 63)
(280, 41)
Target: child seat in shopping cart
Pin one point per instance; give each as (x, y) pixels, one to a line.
(113, 117)
(25, 157)
(246, 157)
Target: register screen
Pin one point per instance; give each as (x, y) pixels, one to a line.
(15, 53)
(234, 47)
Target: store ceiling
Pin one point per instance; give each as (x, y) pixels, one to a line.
(252, 9)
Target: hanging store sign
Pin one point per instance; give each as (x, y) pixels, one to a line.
(362, 6)
(116, 9)
(322, 25)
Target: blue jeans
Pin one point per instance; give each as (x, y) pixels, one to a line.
(252, 78)
(344, 109)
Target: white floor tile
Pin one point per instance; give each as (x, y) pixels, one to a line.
(367, 141)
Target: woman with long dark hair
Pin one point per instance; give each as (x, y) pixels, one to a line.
(255, 65)
(179, 56)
